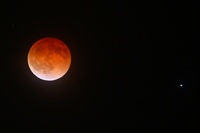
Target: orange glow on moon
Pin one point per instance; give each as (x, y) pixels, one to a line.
(49, 58)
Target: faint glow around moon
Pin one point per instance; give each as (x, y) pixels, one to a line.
(49, 58)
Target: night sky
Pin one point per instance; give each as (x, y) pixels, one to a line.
(128, 62)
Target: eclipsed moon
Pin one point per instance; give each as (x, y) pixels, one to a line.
(49, 58)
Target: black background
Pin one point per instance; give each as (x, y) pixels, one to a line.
(128, 61)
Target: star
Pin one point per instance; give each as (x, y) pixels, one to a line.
(181, 85)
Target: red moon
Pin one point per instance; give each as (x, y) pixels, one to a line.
(49, 58)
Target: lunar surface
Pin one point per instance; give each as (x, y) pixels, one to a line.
(49, 58)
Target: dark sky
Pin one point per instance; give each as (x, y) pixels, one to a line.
(128, 61)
